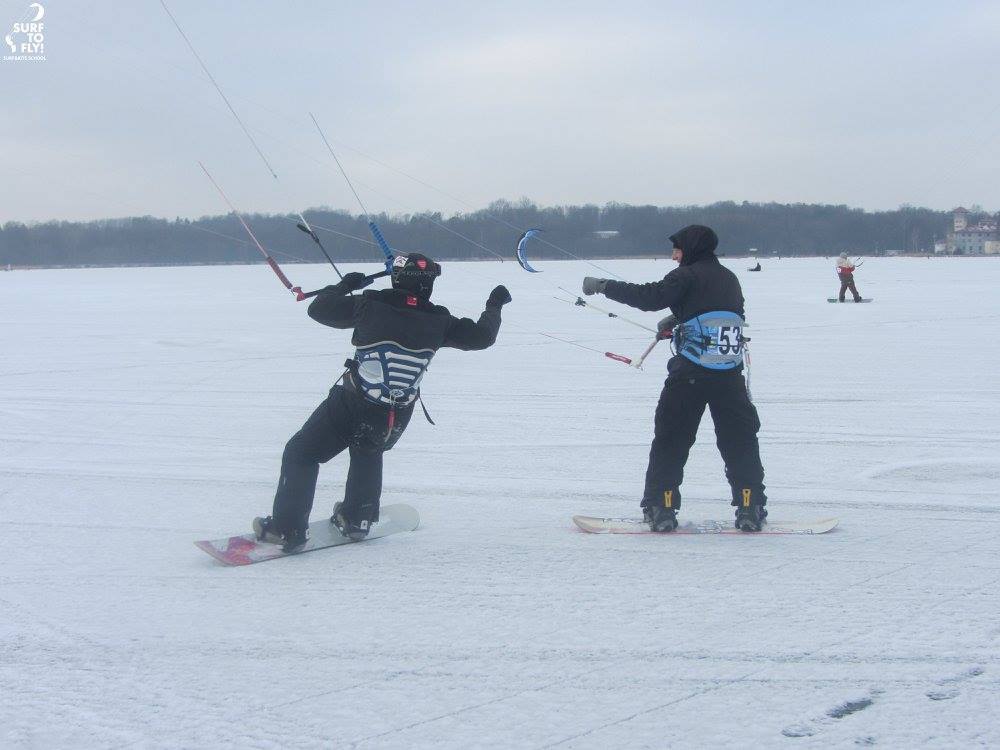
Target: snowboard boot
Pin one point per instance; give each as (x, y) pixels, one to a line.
(295, 540)
(660, 519)
(750, 511)
(266, 530)
(355, 526)
(750, 518)
(661, 513)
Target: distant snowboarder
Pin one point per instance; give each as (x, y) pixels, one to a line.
(845, 270)
(707, 369)
(396, 332)
(756, 267)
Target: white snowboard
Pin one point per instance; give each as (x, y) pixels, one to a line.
(245, 549)
(637, 526)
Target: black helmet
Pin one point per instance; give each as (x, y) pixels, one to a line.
(415, 273)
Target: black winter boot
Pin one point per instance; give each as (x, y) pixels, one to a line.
(295, 540)
(750, 510)
(751, 518)
(660, 519)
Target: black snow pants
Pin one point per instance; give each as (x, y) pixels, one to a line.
(846, 284)
(678, 414)
(345, 419)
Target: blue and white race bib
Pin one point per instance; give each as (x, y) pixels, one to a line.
(713, 340)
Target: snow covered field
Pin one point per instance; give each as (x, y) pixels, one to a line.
(141, 409)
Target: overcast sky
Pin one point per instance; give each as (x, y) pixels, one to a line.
(872, 104)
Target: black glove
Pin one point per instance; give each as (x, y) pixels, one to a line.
(353, 281)
(498, 297)
(593, 286)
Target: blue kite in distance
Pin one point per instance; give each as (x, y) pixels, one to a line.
(521, 244)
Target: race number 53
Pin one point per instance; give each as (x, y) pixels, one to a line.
(730, 339)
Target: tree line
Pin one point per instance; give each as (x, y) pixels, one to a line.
(613, 230)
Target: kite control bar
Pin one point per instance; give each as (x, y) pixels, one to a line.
(618, 357)
(667, 333)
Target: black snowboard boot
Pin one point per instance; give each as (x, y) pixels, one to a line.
(295, 540)
(660, 519)
(750, 517)
(750, 510)
(354, 525)
(265, 530)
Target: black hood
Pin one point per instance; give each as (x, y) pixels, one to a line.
(696, 241)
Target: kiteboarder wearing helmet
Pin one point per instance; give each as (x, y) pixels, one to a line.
(396, 333)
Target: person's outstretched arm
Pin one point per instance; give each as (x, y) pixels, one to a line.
(332, 307)
(654, 296)
(468, 334)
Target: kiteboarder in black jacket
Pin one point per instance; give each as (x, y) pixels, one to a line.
(396, 333)
(706, 303)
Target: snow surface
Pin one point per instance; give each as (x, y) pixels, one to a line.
(141, 409)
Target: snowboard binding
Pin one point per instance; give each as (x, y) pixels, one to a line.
(265, 530)
(353, 527)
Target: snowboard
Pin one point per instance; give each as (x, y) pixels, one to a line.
(245, 549)
(638, 526)
(850, 301)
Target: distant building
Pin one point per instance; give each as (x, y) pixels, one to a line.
(973, 239)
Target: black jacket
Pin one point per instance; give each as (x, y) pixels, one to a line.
(394, 315)
(700, 284)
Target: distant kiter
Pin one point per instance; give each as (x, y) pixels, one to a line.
(845, 270)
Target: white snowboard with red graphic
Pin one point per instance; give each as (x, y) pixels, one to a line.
(245, 549)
